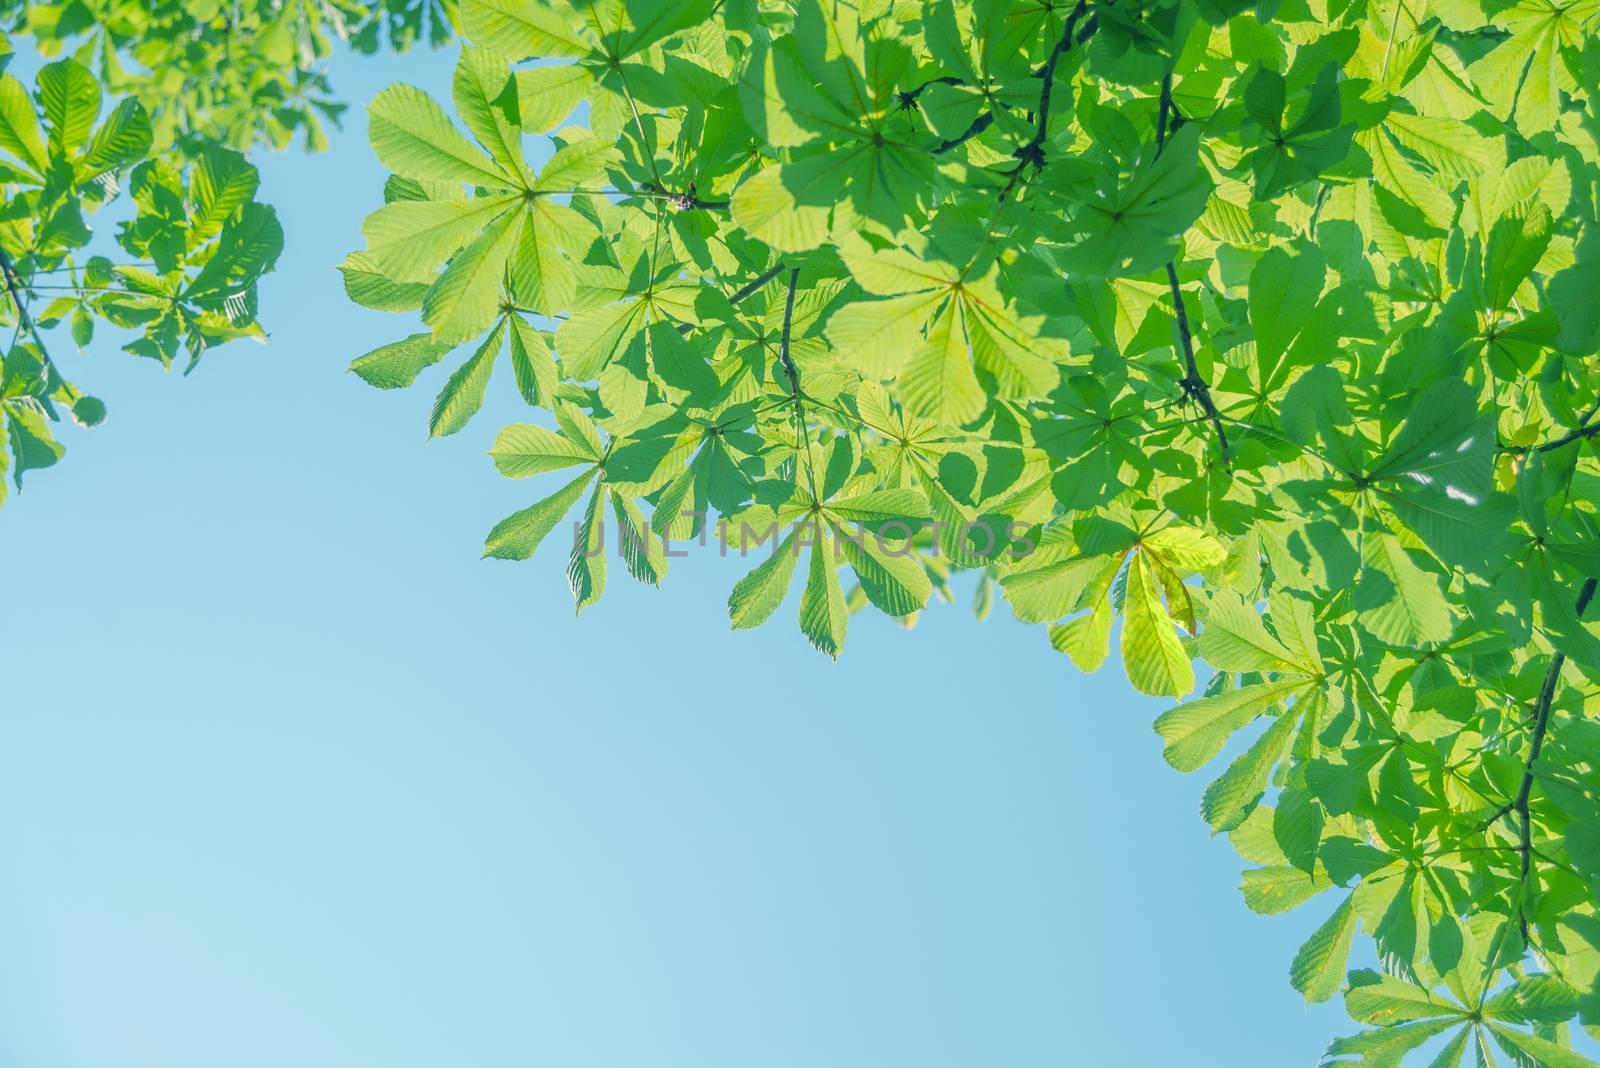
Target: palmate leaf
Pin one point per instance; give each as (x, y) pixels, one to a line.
(413, 137)
(1318, 966)
(1284, 287)
(756, 596)
(396, 365)
(1196, 731)
(1294, 151)
(1151, 652)
(1131, 232)
(824, 618)
(521, 450)
(787, 205)
(519, 534)
(462, 394)
(1533, 53)
(586, 566)
(1397, 600)
(70, 98)
(19, 128)
(1540, 1051)
(1269, 891)
(462, 303)
(1231, 798)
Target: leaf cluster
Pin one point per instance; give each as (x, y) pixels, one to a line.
(154, 104)
(1260, 336)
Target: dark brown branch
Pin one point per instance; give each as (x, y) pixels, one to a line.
(908, 99)
(756, 283)
(14, 287)
(1032, 153)
(1192, 383)
(1165, 110)
(685, 201)
(1050, 77)
(13, 284)
(1586, 428)
(1541, 726)
(979, 124)
(786, 360)
(743, 291)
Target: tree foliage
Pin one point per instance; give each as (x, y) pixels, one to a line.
(1267, 332)
(153, 104)
(1260, 336)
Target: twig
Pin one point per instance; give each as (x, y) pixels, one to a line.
(908, 98)
(638, 124)
(783, 341)
(801, 440)
(1193, 385)
(1586, 428)
(744, 291)
(1032, 153)
(979, 124)
(26, 321)
(1541, 725)
(756, 283)
(685, 201)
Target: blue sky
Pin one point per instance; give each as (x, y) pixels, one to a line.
(288, 775)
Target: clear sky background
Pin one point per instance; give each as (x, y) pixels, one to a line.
(289, 776)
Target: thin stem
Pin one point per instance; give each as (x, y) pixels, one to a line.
(1192, 383)
(78, 267)
(756, 283)
(83, 289)
(744, 291)
(1541, 725)
(1165, 108)
(979, 124)
(638, 124)
(1032, 153)
(13, 285)
(684, 201)
(802, 442)
(908, 99)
